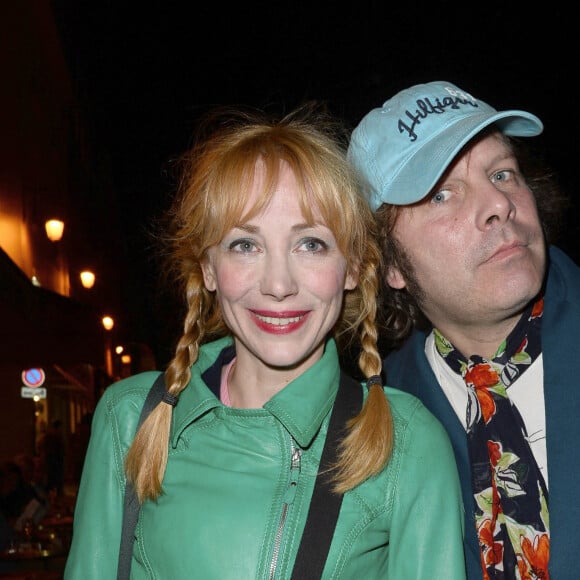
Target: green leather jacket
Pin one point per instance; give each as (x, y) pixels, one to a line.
(231, 474)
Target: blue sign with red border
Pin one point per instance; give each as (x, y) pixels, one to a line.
(33, 377)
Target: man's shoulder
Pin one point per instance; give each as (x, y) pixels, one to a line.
(410, 351)
(407, 367)
(563, 263)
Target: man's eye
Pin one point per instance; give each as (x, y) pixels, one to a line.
(501, 176)
(440, 196)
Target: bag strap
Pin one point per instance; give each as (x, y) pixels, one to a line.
(131, 503)
(324, 506)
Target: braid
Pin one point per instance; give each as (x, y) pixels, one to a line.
(147, 457)
(369, 442)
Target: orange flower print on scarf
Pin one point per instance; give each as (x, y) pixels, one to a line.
(483, 375)
(538, 308)
(491, 551)
(533, 563)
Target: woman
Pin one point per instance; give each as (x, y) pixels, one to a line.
(276, 254)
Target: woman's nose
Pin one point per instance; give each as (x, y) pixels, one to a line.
(278, 278)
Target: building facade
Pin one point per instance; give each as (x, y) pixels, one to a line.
(51, 168)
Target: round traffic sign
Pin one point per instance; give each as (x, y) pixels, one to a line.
(33, 377)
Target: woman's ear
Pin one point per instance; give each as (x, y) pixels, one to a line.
(351, 281)
(352, 277)
(209, 277)
(394, 278)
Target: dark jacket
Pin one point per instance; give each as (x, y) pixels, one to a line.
(409, 370)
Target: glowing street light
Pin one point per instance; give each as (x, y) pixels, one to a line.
(108, 324)
(54, 229)
(87, 279)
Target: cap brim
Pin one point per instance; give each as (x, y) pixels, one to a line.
(414, 180)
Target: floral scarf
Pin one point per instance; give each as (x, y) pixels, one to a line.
(510, 494)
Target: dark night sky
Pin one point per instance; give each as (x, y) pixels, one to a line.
(146, 71)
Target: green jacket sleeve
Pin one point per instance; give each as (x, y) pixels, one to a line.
(99, 507)
(426, 539)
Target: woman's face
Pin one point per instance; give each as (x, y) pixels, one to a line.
(279, 281)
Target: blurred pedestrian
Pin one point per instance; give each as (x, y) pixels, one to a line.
(32, 475)
(20, 504)
(52, 458)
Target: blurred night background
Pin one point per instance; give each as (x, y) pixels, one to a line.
(98, 99)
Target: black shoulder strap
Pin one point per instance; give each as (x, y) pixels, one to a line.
(131, 504)
(325, 504)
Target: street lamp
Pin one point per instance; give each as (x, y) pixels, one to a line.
(54, 229)
(108, 324)
(87, 279)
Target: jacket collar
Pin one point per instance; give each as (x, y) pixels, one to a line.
(300, 407)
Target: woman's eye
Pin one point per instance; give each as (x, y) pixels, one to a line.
(313, 245)
(243, 246)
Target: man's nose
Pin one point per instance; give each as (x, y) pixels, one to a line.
(494, 206)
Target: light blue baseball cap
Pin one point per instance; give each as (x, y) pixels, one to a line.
(403, 148)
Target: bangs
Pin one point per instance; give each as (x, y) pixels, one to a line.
(236, 167)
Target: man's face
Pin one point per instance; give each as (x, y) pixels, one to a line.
(475, 244)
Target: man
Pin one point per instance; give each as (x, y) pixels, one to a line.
(483, 316)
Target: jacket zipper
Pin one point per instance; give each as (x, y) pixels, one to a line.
(295, 454)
